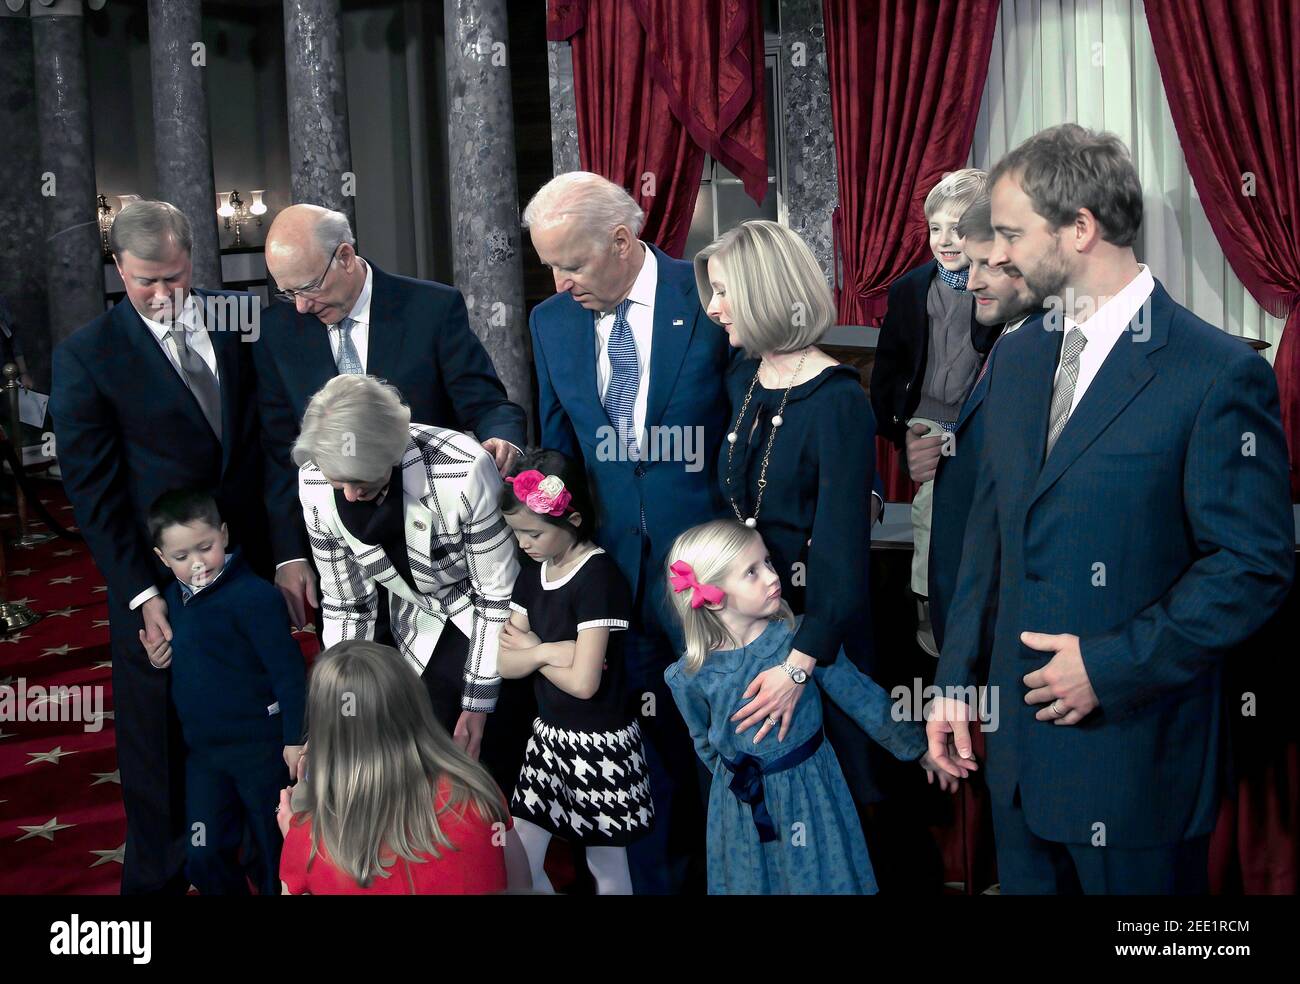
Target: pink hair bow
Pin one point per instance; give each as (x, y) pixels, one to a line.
(544, 494)
(683, 577)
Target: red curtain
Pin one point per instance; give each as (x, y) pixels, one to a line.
(1231, 71)
(903, 117)
(649, 105)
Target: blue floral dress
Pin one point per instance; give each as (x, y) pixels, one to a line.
(792, 831)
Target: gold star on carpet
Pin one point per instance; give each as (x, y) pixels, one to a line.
(53, 755)
(7, 734)
(22, 601)
(116, 854)
(99, 623)
(101, 587)
(64, 553)
(20, 572)
(59, 650)
(105, 716)
(64, 580)
(103, 777)
(45, 830)
(103, 664)
(63, 612)
(17, 636)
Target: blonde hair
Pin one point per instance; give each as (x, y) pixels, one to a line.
(375, 757)
(780, 301)
(710, 548)
(355, 429)
(956, 192)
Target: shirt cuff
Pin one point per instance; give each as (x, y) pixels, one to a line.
(880, 518)
(296, 560)
(143, 596)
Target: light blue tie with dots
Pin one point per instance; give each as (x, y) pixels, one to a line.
(624, 377)
(349, 359)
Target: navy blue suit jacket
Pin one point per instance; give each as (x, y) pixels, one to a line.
(954, 487)
(128, 429)
(689, 356)
(1159, 531)
(419, 340)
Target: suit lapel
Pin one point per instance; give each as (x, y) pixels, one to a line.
(675, 320)
(1123, 375)
(160, 370)
(224, 339)
(385, 336)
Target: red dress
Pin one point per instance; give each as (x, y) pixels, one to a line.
(473, 866)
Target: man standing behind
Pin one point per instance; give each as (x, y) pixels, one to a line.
(345, 315)
(154, 395)
(1132, 519)
(628, 364)
(1001, 299)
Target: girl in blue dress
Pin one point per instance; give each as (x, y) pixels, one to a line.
(781, 820)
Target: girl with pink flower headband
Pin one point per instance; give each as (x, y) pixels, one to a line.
(584, 777)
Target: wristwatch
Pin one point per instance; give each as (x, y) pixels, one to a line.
(796, 674)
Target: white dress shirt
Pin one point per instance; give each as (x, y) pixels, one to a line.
(1104, 328)
(641, 319)
(191, 317)
(201, 344)
(360, 316)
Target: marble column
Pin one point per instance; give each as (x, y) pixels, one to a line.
(484, 187)
(564, 110)
(811, 189)
(22, 275)
(320, 152)
(182, 143)
(66, 164)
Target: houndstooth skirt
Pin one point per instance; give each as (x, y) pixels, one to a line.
(588, 787)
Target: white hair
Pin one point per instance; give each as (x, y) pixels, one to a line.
(355, 429)
(333, 228)
(594, 204)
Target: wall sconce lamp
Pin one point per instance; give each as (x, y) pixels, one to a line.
(231, 206)
(104, 209)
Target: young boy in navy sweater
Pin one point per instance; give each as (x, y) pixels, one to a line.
(238, 682)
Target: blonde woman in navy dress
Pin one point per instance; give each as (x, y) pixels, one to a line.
(584, 776)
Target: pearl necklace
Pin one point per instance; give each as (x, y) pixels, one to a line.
(777, 421)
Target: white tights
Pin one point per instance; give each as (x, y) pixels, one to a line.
(608, 865)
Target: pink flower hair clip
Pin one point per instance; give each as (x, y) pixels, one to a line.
(683, 577)
(542, 494)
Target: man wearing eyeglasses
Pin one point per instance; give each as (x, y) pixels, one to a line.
(342, 314)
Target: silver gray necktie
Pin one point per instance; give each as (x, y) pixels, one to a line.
(1063, 396)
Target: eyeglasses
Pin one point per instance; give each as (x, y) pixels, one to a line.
(312, 288)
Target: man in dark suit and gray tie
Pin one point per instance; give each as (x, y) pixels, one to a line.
(342, 314)
(154, 395)
(1131, 523)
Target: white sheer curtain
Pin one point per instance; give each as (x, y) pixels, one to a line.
(1091, 62)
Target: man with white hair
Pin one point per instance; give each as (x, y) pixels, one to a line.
(630, 367)
(344, 315)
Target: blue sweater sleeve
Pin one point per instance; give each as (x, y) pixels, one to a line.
(866, 702)
(266, 623)
(695, 711)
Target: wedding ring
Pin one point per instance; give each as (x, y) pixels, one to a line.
(1059, 712)
(774, 721)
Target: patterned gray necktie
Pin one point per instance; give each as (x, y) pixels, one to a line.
(200, 379)
(1063, 396)
(349, 360)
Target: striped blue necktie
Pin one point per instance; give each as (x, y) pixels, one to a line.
(624, 377)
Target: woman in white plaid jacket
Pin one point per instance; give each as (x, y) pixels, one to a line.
(415, 509)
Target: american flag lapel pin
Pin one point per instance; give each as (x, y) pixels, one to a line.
(677, 322)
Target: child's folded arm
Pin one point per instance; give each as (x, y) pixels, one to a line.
(866, 702)
(582, 678)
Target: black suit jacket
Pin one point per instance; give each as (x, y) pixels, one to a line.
(128, 429)
(419, 340)
(899, 369)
